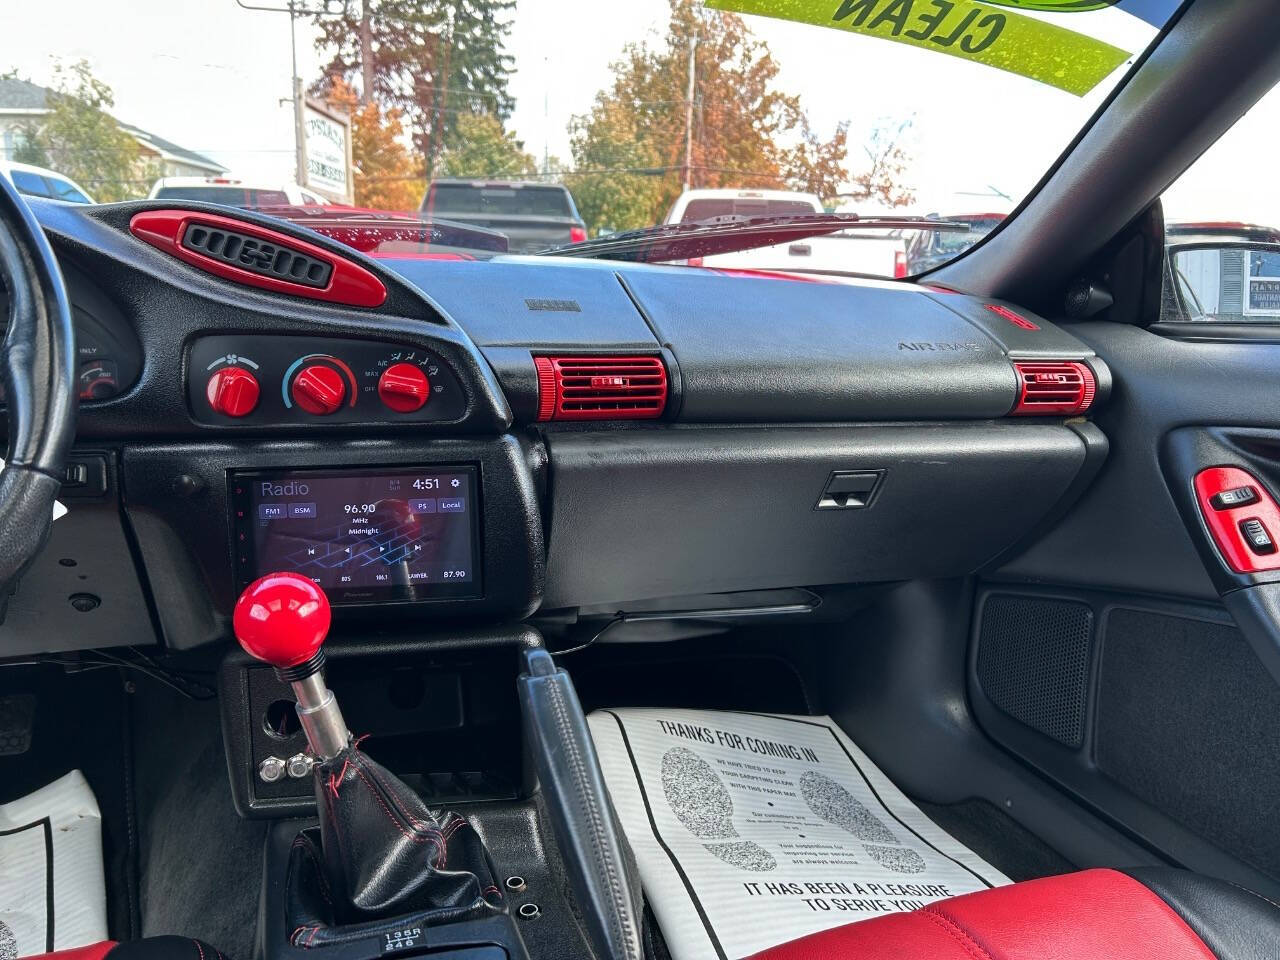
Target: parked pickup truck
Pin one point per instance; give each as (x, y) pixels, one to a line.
(866, 251)
(534, 216)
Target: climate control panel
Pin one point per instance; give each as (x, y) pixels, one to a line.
(286, 380)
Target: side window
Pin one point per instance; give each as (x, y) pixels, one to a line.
(1222, 228)
(31, 184)
(63, 190)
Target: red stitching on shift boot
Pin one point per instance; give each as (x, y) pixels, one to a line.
(432, 834)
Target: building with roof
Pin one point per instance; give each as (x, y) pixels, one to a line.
(23, 104)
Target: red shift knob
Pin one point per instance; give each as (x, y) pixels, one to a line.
(282, 619)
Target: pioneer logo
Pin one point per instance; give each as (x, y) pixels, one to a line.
(938, 346)
(291, 489)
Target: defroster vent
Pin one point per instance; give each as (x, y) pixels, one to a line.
(601, 388)
(1059, 388)
(257, 256)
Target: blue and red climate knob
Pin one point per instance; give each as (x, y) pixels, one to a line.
(283, 619)
(318, 389)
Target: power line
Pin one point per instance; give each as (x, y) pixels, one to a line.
(598, 171)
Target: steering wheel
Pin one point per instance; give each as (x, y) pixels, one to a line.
(37, 364)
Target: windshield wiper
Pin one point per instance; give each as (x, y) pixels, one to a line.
(730, 234)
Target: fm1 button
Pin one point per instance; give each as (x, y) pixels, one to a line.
(1256, 535)
(1235, 497)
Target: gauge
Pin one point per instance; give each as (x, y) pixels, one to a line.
(99, 379)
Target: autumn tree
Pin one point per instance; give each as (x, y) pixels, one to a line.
(485, 149)
(746, 132)
(881, 178)
(80, 139)
(619, 181)
(387, 175)
(435, 62)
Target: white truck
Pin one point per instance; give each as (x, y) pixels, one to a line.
(866, 251)
(235, 193)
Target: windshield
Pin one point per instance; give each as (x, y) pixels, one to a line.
(543, 124)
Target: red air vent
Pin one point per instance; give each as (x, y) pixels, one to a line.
(600, 388)
(1045, 389)
(253, 255)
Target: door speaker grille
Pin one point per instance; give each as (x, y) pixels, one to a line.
(1033, 662)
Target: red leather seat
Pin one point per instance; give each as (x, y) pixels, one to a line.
(1147, 914)
(153, 948)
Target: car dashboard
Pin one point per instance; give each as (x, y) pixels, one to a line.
(560, 437)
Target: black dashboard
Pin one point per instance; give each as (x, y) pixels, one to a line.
(486, 439)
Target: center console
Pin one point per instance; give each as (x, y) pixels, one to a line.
(529, 865)
(399, 532)
(430, 550)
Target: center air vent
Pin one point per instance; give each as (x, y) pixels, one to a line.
(600, 388)
(1047, 389)
(258, 256)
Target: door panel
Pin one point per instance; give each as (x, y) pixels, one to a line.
(1177, 683)
(1127, 532)
(1155, 713)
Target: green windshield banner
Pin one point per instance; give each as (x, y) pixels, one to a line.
(967, 29)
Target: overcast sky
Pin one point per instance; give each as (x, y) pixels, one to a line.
(209, 76)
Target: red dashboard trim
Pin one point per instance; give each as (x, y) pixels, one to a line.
(1017, 319)
(1224, 525)
(350, 284)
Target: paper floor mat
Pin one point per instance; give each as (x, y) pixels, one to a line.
(52, 891)
(753, 830)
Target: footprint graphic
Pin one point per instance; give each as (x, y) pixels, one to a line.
(836, 805)
(702, 803)
(8, 943)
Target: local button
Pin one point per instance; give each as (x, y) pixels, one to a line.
(453, 504)
(1256, 535)
(1235, 497)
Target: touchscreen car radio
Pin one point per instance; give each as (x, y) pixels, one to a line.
(365, 536)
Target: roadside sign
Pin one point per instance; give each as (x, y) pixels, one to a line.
(981, 32)
(327, 152)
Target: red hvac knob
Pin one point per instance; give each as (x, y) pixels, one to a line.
(318, 389)
(233, 392)
(404, 387)
(282, 619)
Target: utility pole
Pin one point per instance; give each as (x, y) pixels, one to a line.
(443, 39)
(546, 119)
(688, 108)
(295, 9)
(366, 52)
(299, 129)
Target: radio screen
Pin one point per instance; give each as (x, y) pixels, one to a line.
(365, 536)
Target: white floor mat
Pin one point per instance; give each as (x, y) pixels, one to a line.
(752, 830)
(52, 891)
